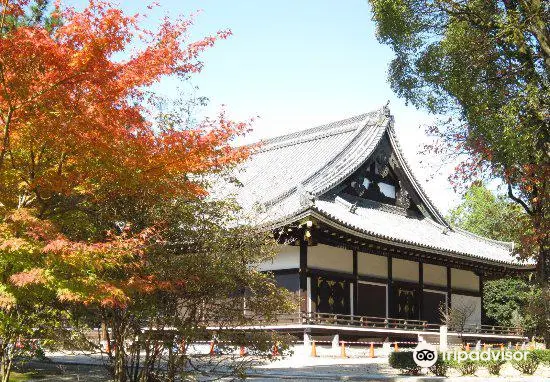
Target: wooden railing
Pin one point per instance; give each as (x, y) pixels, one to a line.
(314, 318)
(493, 329)
(363, 321)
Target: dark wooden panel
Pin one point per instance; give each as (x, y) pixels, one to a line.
(430, 306)
(405, 301)
(289, 281)
(371, 300)
(303, 265)
(331, 295)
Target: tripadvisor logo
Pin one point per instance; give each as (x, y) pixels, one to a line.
(486, 355)
(425, 355)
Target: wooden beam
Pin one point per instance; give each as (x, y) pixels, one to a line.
(303, 275)
(420, 289)
(483, 317)
(330, 274)
(355, 283)
(449, 288)
(390, 307)
(337, 238)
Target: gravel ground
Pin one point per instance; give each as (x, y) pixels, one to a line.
(298, 367)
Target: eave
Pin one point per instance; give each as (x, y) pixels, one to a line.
(356, 235)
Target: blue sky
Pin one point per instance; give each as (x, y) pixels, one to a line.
(298, 64)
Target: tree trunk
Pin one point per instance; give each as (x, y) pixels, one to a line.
(120, 359)
(104, 336)
(6, 359)
(543, 264)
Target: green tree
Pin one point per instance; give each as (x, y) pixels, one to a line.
(504, 300)
(509, 301)
(489, 215)
(201, 272)
(486, 65)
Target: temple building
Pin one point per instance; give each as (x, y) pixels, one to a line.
(362, 245)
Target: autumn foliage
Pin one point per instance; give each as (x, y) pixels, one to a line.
(103, 205)
(74, 118)
(79, 137)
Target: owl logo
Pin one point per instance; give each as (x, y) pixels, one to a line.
(425, 355)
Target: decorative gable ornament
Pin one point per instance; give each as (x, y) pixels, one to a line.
(382, 161)
(402, 199)
(307, 199)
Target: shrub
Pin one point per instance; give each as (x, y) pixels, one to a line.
(528, 365)
(543, 355)
(404, 361)
(494, 366)
(467, 367)
(441, 367)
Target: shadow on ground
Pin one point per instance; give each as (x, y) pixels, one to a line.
(49, 371)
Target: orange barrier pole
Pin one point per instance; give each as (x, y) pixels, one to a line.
(275, 351)
(517, 346)
(212, 348)
(371, 351)
(395, 347)
(343, 350)
(501, 347)
(467, 346)
(484, 347)
(313, 349)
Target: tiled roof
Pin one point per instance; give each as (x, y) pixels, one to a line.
(283, 163)
(290, 177)
(381, 223)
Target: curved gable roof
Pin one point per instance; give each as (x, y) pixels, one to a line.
(294, 173)
(318, 159)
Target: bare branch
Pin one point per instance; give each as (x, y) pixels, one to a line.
(518, 200)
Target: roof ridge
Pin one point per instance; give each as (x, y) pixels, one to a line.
(380, 122)
(331, 128)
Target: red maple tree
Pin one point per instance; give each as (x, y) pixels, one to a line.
(77, 134)
(73, 117)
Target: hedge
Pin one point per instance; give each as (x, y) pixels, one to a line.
(528, 365)
(494, 366)
(543, 355)
(404, 361)
(441, 366)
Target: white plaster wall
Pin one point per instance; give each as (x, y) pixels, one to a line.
(372, 265)
(462, 279)
(288, 257)
(435, 275)
(330, 258)
(461, 301)
(405, 270)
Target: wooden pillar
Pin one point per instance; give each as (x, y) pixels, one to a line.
(390, 308)
(420, 289)
(483, 317)
(355, 282)
(303, 275)
(449, 288)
